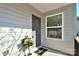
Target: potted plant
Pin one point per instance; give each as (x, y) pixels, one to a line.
(27, 43)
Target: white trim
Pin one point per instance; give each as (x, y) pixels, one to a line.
(55, 26)
(62, 25)
(54, 14)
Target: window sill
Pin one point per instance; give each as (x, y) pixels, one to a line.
(55, 39)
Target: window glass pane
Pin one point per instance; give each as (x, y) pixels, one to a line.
(54, 33)
(54, 20)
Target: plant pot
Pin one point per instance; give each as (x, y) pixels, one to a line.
(25, 55)
(29, 54)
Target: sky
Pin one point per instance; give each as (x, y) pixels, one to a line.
(77, 9)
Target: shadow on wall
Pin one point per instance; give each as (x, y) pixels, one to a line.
(10, 38)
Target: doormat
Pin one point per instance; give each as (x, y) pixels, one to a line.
(40, 51)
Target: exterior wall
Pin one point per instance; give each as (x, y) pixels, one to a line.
(69, 30)
(78, 26)
(12, 13)
(17, 17)
(20, 16)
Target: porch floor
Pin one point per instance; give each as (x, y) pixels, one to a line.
(50, 52)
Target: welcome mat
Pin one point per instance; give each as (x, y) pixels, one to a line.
(40, 51)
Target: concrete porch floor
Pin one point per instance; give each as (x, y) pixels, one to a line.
(50, 52)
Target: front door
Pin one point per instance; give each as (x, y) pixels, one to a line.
(36, 28)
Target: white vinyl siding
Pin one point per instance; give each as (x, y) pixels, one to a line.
(69, 30)
(13, 19)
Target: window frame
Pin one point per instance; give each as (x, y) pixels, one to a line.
(62, 27)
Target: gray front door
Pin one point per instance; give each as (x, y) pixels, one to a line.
(36, 26)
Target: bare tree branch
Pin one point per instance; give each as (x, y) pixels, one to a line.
(15, 41)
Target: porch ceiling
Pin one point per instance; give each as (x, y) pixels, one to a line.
(45, 7)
